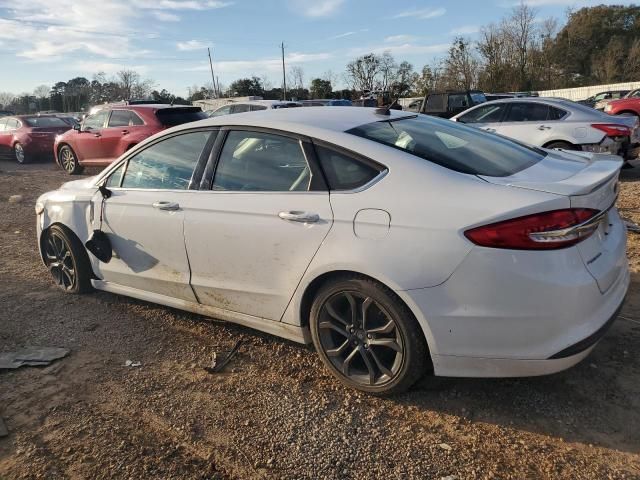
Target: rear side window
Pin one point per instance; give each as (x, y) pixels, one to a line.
(528, 112)
(240, 108)
(451, 145)
(167, 164)
(261, 162)
(170, 117)
(257, 107)
(46, 122)
(436, 102)
(124, 118)
(556, 113)
(345, 172)
(458, 101)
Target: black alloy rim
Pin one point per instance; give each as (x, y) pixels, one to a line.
(360, 338)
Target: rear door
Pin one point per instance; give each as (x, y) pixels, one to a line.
(121, 124)
(252, 236)
(144, 216)
(5, 137)
(532, 122)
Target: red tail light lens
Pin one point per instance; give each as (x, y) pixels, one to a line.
(541, 231)
(612, 129)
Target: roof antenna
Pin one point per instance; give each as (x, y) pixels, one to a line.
(386, 110)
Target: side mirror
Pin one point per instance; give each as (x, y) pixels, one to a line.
(77, 127)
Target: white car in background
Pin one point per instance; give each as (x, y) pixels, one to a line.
(399, 244)
(554, 123)
(251, 106)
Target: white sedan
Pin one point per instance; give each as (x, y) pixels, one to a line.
(399, 244)
(554, 123)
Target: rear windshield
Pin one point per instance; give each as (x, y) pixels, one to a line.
(170, 117)
(453, 146)
(45, 122)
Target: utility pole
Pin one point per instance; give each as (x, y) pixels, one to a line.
(213, 78)
(284, 76)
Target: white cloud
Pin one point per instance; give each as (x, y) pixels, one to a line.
(348, 34)
(181, 4)
(165, 16)
(465, 30)
(191, 45)
(317, 8)
(259, 66)
(423, 14)
(399, 38)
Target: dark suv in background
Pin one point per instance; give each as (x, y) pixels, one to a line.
(112, 130)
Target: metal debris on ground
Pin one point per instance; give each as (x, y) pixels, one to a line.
(631, 225)
(130, 363)
(217, 366)
(15, 199)
(31, 356)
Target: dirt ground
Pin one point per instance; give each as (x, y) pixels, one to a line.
(276, 413)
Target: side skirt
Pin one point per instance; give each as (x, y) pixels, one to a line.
(279, 329)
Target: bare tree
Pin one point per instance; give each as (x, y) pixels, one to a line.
(6, 98)
(519, 28)
(362, 72)
(461, 66)
(127, 79)
(296, 80)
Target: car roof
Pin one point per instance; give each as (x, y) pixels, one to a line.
(303, 121)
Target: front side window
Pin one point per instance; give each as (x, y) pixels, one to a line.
(12, 124)
(344, 172)
(484, 114)
(52, 122)
(95, 121)
(257, 107)
(451, 145)
(167, 164)
(116, 176)
(3, 124)
(261, 162)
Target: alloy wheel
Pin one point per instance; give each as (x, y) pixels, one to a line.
(19, 149)
(360, 338)
(68, 159)
(60, 261)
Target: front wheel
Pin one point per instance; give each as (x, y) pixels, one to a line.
(67, 260)
(19, 153)
(367, 337)
(69, 161)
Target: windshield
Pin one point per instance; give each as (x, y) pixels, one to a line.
(46, 122)
(453, 146)
(170, 117)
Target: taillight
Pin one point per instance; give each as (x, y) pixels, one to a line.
(612, 129)
(540, 231)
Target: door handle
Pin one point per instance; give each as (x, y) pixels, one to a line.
(124, 132)
(169, 206)
(97, 135)
(543, 127)
(490, 130)
(298, 216)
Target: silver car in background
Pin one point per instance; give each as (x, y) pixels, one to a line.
(555, 123)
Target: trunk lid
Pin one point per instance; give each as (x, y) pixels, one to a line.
(589, 181)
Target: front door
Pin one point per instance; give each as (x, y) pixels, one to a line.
(87, 142)
(251, 238)
(144, 216)
(122, 125)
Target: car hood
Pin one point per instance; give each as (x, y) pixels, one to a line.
(76, 185)
(564, 173)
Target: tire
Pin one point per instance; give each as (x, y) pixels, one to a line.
(383, 355)
(67, 260)
(563, 145)
(69, 160)
(19, 154)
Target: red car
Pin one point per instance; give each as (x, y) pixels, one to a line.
(629, 105)
(25, 137)
(108, 133)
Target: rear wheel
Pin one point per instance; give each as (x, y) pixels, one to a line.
(69, 161)
(19, 153)
(562, 145)
(67, 260)
(367, 337)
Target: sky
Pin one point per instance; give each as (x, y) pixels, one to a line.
(46, 41)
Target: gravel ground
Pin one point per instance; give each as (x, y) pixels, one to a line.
(276, 413)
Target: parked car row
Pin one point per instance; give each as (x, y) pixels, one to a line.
(256, 105)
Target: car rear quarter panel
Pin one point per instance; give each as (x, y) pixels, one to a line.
(429, 208)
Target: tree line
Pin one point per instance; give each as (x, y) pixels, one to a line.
(520, 52)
